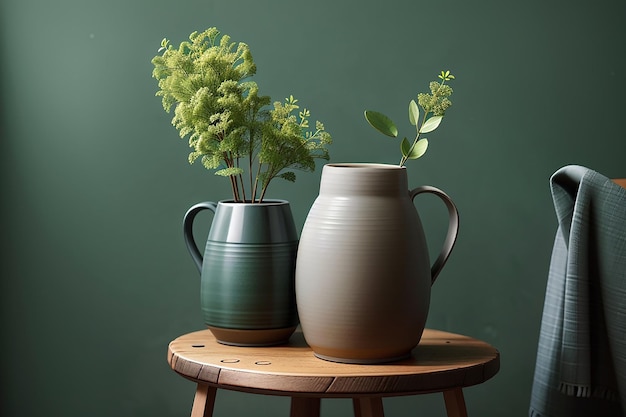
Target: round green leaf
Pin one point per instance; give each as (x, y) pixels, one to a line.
(431, 124)
(418, 150)
(405, 147)
(414, 113)
(381, 123)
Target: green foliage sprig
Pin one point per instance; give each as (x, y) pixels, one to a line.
(434, 106)
(229, 125)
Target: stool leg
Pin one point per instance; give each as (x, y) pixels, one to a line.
(368, 407)
(203, 401)
(305, 407)
(455, 403)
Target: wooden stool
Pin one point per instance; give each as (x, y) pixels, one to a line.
(442, 362)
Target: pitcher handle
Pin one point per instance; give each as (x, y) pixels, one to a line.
(453, 227)
(195, 253)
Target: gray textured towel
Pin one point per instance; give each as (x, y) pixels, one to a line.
(581, 357)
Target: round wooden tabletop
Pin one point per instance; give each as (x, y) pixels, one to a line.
(442, 361)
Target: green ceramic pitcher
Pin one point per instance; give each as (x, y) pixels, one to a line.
(247, 271)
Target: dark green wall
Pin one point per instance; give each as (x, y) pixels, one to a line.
(95, 276)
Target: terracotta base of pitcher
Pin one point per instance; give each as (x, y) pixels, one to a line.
(363, 361)
(360, 357)
(264, 337)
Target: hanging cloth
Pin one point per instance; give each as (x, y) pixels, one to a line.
(581, 357)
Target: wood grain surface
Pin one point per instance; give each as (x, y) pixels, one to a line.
(441, 362)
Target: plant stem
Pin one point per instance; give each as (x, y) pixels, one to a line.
(233, 184)
(263, 193)
(243, 187)
(426, 112)
(405, 157)
(256, 183)
(228, 160)
(251, 161)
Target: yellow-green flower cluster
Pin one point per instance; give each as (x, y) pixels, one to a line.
(218, 107)
(437, 102)
(434, 106)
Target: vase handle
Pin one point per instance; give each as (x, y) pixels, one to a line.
(453, 227)
(195, 253)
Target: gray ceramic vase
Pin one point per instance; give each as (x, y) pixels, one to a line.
(247, 271)
(363, 274)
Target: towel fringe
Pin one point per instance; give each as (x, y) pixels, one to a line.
(575, 390)
(605, 394)
(582, 391)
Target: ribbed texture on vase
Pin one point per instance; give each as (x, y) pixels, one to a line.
(247, 271)
(362, 272)
(249, 286)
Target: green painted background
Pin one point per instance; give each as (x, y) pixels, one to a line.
(95, 276)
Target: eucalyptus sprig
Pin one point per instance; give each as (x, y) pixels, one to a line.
(207, 80)
(434, 106)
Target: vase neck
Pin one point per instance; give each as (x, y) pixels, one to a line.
(364, 179)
